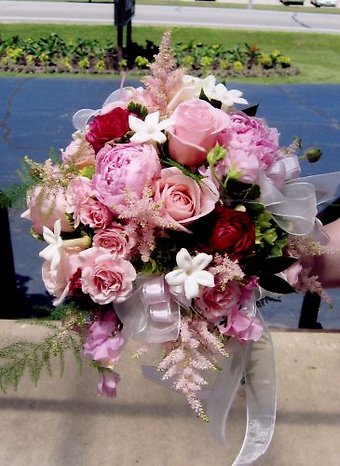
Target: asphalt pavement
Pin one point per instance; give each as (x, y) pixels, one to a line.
(187, 14)
(36, 117)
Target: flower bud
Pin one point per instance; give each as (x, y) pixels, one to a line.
(312, 154)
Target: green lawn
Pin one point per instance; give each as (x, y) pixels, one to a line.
(316, 55)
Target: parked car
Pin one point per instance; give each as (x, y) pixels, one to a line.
(292, 2)
(319, 3)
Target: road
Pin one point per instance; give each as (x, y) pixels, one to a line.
(95, 13)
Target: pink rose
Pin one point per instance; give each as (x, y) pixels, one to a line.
(79, 153)
(116, 240)
(105, 278)
(124, 169)
(45, 206)
(252, 146)
(197, 125)
(182, 198)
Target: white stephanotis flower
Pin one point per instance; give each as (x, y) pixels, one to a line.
(52, 252)
(149, 129)
(220, 93)
(190, 274)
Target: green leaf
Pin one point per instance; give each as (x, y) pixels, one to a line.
(275, 265)
(251, 111)
(172, 163)
(275, 284)
(138, 109)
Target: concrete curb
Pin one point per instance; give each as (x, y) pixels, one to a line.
(62, 422)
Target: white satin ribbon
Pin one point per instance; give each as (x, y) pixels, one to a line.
(150, 314)
(294, 207)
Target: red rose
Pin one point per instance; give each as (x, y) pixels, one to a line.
(104, 128)
(233, 232)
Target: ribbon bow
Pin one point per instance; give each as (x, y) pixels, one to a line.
(150, 314)
(294, 207)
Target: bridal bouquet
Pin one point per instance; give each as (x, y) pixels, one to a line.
(172, 214)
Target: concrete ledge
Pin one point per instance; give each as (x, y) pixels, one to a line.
(62, 421)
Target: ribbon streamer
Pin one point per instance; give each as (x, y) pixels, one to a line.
(150, 314)
(255, 361)
(327, 186)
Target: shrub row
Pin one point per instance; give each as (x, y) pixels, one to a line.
(53, 54)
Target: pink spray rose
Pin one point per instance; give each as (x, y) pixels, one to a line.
(45, 206)
(182, 198)
(124, 169)
(116, 240)
(242, 326)
(217, 302)
(79, 153)
(103, 341)
(252, 146)
(195, 131)
(84, 207)
(105, 278)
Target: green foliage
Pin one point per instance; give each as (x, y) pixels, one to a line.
(53, 52)
(35, 357)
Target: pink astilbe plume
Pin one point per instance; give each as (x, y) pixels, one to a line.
(165, 77)
(226, 269)
(194, 352)
(143, 219)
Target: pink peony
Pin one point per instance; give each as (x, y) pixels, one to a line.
(103, 342)
(252, 146)
(195, 131)
(107, 384)
(45, 206)
(116, 240)
(79, 153)
(182, 198)
(241, 326)
(105, 278)
(124, 169)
